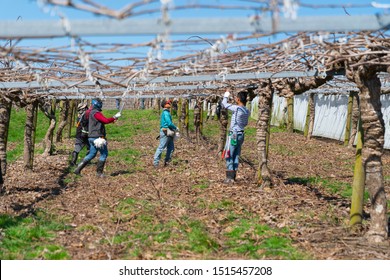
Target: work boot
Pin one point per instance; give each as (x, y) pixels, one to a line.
(230, 176)
(99, 168)
(80, 167)
(73, 161)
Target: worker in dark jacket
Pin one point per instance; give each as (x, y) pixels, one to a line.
(81, 140)
(97, 137)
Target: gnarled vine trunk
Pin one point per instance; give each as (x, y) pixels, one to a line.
(198, 121)
(262, 125)
(373, 129)
(223, 124)
(5, 115)
(29, 135)
(184, 117)
(48, 140)
(63, 119)
(290, 114)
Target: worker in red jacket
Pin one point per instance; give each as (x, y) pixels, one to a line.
(97, 137)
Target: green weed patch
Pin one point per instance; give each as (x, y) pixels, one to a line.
(202, 184)
(282, 150)
(254, 240)
(30, 238)
(126, 155)
(17, 125)
(199, 240)
(334, 187)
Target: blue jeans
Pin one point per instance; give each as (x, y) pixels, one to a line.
(165, 142)
(235, 151)
(93, 151)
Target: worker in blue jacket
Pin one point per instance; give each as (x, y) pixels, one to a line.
(167, 131)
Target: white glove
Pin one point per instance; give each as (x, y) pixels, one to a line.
(176, 136)
(117, 115)
(99, 142)
(226, 94)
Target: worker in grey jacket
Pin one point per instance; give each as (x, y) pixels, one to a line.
(239, 120)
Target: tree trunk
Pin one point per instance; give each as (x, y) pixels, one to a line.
(48, 141)
(373, 129)
(29, 135)
(5, 116)
(265, 105)
(223, 124)
(201, 119)
(197, 111)
(184, 117)
(64, 108)
(71, 117)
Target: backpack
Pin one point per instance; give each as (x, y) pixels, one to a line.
(82, 124)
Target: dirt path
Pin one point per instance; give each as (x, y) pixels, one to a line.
(99, 212)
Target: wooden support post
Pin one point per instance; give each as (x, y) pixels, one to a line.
(312, 108)
(356, 214)
(187, 118)
(179, 113)
(290, 114)
(307, 120)
(347, 134)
